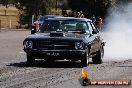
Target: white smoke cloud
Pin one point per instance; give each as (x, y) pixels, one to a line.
(118, 35)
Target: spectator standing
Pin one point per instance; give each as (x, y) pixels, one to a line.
(99, 23)
(81, 15)
(78, 14)
(37, 26)
(93, 19)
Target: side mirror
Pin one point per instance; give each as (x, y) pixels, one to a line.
(94, 31)
(33, 31)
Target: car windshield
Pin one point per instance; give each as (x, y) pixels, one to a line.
(64, 25)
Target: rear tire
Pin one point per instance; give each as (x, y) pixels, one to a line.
(30, 60)
(85, 59)
(97, 59)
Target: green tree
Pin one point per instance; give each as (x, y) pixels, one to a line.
(33, 7)
(90, 7)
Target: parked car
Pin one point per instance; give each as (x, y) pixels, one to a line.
(41, 20)
(65, 38)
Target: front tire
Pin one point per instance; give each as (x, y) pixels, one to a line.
(30, 59)
(85, 59)
(97, 59)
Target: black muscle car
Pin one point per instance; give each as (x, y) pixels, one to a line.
(65, 38)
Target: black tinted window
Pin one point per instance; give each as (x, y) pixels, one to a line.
(90, 27)
(94, 28)
(64, 25)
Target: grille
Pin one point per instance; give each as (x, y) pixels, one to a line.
(55, 45)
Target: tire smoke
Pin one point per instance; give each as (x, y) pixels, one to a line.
(118, 33)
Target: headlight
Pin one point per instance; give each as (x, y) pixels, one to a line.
(79, 45)
(28, 44)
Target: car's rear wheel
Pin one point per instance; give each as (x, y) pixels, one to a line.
(97, 59)
(85, 59)
(30, 59)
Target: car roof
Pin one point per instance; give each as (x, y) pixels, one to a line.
(49, 16)
(70, 19)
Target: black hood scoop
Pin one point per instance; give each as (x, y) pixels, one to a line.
(56, 34)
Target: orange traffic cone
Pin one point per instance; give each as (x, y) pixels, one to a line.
(84, 80)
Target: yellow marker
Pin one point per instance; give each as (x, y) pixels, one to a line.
(84, 74)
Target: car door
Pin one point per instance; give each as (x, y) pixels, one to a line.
(93, 38)
(97, 37)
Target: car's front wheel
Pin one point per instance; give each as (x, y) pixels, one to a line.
(97, 59)
(85, 59)
(30, 59)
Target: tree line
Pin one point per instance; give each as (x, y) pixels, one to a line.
(43, 7)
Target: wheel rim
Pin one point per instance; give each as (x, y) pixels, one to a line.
(102, 52)
(87, 56)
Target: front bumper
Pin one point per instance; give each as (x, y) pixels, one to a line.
(57, 54)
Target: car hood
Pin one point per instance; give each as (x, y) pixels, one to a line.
(66, 36)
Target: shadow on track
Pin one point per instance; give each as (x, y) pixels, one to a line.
(44, 64)
(124, 66)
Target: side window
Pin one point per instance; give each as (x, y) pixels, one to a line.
(86, 27)
(90, 27)
(95, 28)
